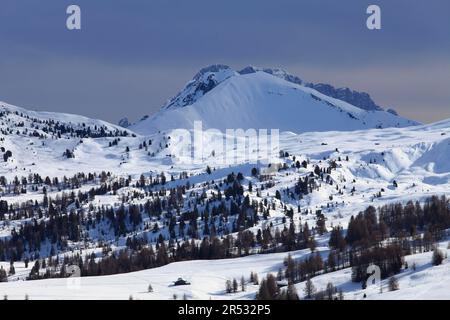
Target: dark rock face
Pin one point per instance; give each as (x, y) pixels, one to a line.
(392, 111)
(124, 123)
(203, 82)
(248, 70)
(358, 99)
(211, 69)
(275, 72)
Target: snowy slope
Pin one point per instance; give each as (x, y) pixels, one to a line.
(38, 140)
(425, 282)
(361, 100)
(16, 113)
(208, 279)
(416, 157)
(410, 152)
(222, 99)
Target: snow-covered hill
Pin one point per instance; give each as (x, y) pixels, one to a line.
(14, 116)
(224, 99)
(48, 142)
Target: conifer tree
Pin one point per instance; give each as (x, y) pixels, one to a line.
(242, 284)
(3, 275)
(291, 293)
(235, 285)
(393, 284)
(309, 289)
(228, 286)
(438, 257)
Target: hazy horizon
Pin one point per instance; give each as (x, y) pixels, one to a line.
(131, 57)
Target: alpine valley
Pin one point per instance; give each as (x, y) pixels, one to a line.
(354, 184)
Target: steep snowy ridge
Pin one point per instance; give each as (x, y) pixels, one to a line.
(279, 73)
(361, 100)
(203, 82)
(225, 99)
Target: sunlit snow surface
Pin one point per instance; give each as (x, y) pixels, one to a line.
(416, 157)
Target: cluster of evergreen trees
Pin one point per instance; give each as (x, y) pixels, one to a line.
(52, 221)
(176, 215)
(56, 129)
(270, 290)
(389, 259)
(3, 275)
(381, 237)
(232, 286)
(36, 183)
(403, 222)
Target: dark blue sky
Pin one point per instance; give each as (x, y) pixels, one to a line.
(131, 55)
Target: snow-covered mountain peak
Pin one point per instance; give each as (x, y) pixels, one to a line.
(224, 99)
(215, 69)
(203, 82)
(211, 76)
(279, 73)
